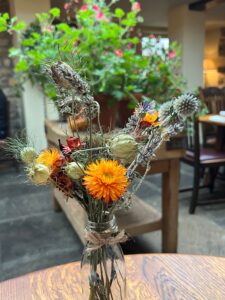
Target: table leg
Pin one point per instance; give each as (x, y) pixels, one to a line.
(170, 190)
(55, 204)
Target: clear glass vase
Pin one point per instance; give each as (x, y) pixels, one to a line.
(103, 273)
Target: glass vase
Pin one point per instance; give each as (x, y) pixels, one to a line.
(103, 273)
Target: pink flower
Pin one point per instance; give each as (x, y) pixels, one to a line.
(172, 54)
(48, 28)
(129, 46)
(119, 53)
(76, 1)
(100, 15)
(136, 6)
(66, 6)
(131, 29)
(84, 7)
(95, 7)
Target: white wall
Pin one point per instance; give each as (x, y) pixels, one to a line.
(188, 28)
(35, 106)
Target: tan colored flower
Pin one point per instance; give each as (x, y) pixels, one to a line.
(28, 155)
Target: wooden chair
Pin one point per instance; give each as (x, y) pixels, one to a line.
(201, 157)
(214, 98)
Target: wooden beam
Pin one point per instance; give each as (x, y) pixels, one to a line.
(204, 5)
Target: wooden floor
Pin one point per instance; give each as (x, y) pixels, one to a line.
(33, 237)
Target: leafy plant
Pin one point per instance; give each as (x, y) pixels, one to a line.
(106, 39)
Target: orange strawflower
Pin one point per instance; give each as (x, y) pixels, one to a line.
(49, 157)
(151, 119)
(106, 180)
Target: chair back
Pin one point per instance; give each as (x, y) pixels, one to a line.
(214, 98)
(193, 139)
(4, 116)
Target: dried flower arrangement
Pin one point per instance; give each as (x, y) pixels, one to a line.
(98, 169)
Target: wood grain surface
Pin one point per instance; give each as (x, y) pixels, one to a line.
(212, 119)
(163, 276)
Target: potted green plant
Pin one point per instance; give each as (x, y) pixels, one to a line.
(105, 37)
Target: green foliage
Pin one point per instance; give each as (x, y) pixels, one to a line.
(102, 47)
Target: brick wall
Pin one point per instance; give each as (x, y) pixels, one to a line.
(6, 77)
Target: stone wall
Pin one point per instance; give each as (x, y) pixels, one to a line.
(6, 77)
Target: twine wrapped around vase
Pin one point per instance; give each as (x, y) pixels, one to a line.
(97, 240)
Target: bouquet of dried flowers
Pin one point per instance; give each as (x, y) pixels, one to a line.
(97, 170)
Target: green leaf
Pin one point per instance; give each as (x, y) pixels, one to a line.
(55, 12)
(19, 26)
(5, 16)
(35, 35)
(119, 13)
(13, 52)
(135, 40)
(28, 42)
(3, 27)
(63, 27)
(21, 66)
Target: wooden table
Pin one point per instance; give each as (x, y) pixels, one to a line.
(142, 217)
(218, 121)
(212, 119)
(149, 277)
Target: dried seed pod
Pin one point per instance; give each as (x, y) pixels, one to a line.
(65, 77)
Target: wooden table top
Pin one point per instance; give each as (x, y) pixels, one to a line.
(149, 276)
(213, 119)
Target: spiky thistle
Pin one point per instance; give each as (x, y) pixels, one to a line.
(185, 105)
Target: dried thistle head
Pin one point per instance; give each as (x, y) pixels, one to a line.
(185, 105)
(165, 111)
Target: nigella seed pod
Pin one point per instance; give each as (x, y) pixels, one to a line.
(185, 105)
(28, 155)
(39, 174)
(74, 170)
(124, 147)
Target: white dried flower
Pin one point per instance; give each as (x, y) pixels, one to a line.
(124, 147)
(75, 170)
(28, 155)
(185, 105)
(39, 174)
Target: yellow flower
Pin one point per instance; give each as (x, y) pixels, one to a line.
(106, 180)
(150, 119)
(48, 157)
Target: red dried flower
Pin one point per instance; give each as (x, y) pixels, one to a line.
(73, 143)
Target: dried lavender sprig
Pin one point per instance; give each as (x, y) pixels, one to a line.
(146, 153)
